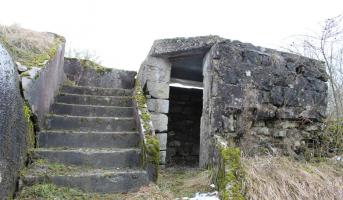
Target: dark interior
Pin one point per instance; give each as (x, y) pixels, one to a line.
(187, 67)
(185, 109)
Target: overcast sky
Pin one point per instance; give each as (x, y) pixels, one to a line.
(122, 32)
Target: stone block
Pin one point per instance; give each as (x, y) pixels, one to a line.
(280, 134)
(260, 124)
(158, 105)
(158, 90)
(159, 121)
(162, 138)
(286, 124)
(261, 130)
(163, 155)
(156, 69)
(229, 123)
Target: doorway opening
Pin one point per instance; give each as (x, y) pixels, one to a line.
(185, 110)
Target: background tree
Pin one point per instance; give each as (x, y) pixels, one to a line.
(327, 45)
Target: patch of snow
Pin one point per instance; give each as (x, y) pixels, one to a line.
(206, 196)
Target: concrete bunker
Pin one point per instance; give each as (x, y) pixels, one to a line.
(252, 97)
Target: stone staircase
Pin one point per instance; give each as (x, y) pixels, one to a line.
(90, 142)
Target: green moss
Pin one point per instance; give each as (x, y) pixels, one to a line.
(25, 74)
(49, 191)
(141, 104)
(32, 57)
(230, 175)
(95, 66)
(151, 150)
(68, 82)
(30, 134)
(36, 76)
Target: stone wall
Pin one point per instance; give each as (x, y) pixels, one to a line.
(43, 83)
(98, 76)
(154, 76)
(13, 127)
(263, 100)
(184, 126)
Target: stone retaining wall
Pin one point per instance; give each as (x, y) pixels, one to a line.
(13, 127)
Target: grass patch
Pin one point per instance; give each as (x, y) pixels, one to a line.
(30, 48)
(30, 133)
(95, 66)
(283, 178)
(173, 183)
(42, 167)
(184, 182)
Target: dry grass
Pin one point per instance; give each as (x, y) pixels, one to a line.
(184, 182)
(27, 39)
(172, 183)
(28, 47)
(282, 178)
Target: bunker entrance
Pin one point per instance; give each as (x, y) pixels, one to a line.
(185, 110)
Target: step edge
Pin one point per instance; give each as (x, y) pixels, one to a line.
(90, 105)
(97, 96)
(87, 150)
(84, 132)
(94, 87)
(88, 117)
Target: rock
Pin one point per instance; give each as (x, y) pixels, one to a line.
(159, 121)
(163, 155)
(314, 127)
(162, 138)
(260, 124)
(158, 90)
(262, 130)
(286, 124)
(280, 134)
(180, 46)
(21, 68)
(229, 123)
(158, 105)
(155, 69)
(13, 126)
(26, 83)
(32, 73)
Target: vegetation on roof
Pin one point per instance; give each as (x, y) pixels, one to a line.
(95, 66)
(29, 48)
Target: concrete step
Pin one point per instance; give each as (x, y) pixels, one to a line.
(96, 91)
(90, 157)
(91, 110)
(71, 139)
(89, 180)
(100, 124)
(122, 101)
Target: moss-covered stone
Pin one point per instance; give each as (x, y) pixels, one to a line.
(230, 174)
(95, 66)
(34, 56)
(30, 133)
(152, 154)
(150, 146)
(141, 104)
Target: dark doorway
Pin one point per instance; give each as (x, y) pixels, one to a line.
(185, 109)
